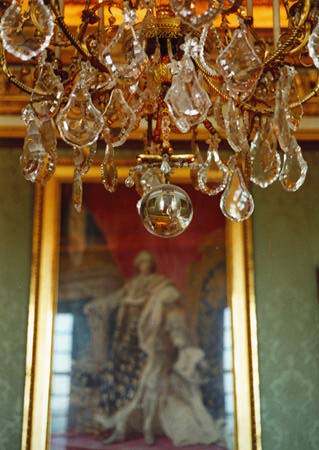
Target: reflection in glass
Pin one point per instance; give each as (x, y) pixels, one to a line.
(61, 372)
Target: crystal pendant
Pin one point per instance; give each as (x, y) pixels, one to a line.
(149, 179)
(182, 9)
(236, 203)
(212, 163)
(39, 154)
(49, 142)
(165, 166)
(88, 154)
(294, 115)
(235, 128)
(108, 170)
(33, 146)
(33, 154)
(77, 191)
(240, 65)
(265, 89)
(187, 101)
(313, 45)
(166, 210)
(294, 169)
(284, 120)
(265, 160)
(217, 118)
(46, 106)
(119, 119)
(26, 34)
(80, 122)
(138, 58)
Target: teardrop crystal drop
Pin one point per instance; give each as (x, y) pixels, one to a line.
(108, 170)
(119, 119)
(25, 34)
(240, 65)
(187, 101)
(214, 164)
(38, 159)
(313, 45)
(80, 122)
(236, 203)
(46, 106)
(265, 160)
(294, 169)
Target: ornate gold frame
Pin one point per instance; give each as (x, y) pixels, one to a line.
(42, 306)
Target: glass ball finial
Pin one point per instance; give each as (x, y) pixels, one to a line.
(166, 210)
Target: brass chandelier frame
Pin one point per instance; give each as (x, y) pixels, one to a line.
(291, 43)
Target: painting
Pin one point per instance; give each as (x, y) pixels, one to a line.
(139, 344)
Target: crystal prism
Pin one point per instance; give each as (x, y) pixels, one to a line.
(235, 128)
(33, 146)
(213, 163)
(33, 154)
(134, 67)
(265, 160)
(240, 65)
(294, 115)
(187, 101)
(80, 122)
(217, 117)
(88, 154)
(294, 169)
(283, 119)
(49, 142)
(25, 34)
(313, 45)
(46, 106)
(236, 203)
(119, 119)
(108, 170)
(77, 192)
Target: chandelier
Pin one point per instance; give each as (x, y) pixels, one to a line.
(167, 67)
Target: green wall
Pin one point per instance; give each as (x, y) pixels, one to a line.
(286, 248)
(16, 203)
(286, 254)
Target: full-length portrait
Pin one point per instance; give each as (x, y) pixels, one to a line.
(149, 360)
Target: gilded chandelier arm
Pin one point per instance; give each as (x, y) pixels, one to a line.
(12, 78)
(79, 46)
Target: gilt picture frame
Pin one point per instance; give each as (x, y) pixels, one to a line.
(44, 299)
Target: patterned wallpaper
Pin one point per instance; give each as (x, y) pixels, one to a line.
(286, 248)
(15, 257)
(286, 228)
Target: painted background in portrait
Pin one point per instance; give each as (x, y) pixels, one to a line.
(97, 251)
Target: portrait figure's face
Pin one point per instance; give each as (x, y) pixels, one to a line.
(145, 266)
(144, 263)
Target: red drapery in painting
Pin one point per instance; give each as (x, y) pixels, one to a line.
(116, 216)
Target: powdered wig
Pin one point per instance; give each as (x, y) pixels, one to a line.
(145, 256)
